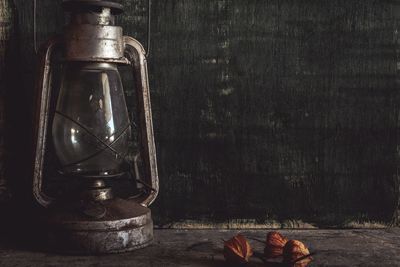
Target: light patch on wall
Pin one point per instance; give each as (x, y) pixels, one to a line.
(210, 61)
(226, 91)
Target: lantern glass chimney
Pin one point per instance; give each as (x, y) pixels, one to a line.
(91, 126)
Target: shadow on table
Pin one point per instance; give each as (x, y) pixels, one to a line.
(211, 256)
(223, 263)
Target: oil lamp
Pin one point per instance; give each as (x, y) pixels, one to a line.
(84, 126)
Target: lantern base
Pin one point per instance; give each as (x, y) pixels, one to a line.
(110, 226)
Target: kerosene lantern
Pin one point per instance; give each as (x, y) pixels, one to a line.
(89, 131)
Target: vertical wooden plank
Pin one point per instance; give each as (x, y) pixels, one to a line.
(395, 7)
(6, 28)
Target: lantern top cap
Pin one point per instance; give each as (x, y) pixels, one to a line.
(71, 5)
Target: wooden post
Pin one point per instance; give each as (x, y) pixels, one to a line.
(6, 19)
(396, 40)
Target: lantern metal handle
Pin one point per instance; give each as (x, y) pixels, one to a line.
(43, 95)
(136, 55)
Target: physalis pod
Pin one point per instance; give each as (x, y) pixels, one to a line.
(274, 245)
(237, 250)
(293, 251)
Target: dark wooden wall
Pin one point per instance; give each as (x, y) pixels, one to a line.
(271, 112)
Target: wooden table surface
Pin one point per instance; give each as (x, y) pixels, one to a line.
(202, 248)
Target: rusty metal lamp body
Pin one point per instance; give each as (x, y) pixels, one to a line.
(90, 129)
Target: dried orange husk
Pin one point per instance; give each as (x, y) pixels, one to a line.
(274, 245)
(237, 250)
(294, 250)
(303, 263)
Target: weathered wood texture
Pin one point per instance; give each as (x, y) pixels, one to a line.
(6, 29)
(179, 248)
(264, 111)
